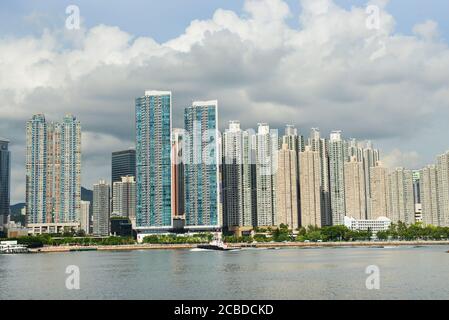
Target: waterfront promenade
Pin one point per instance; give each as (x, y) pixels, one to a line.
(267, 245)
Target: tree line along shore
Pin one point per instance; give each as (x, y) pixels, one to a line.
(397, 234)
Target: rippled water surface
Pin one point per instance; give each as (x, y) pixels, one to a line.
(331, 273)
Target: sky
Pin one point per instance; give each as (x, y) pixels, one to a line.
(311, 63)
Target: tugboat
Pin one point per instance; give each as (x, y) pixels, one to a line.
(216, 244)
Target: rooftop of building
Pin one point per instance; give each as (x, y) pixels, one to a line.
(130, 150)
(157, 93)
(204, 103)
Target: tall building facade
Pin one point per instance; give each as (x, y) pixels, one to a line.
(337, 158)
(123, 164)
(53, 170)
(69, 179)
(101, 208)
(177, 185)
(266, 143)
(287, 188)
(379, 192)
(85, 217)
(153, 161)
(293, 140)
(311, 187)
(402, 207)
(371, 157)
(237, 207)
(5, 180)
(124, 199)
(321, 146)
(429, 195)
(355, 150)
(201, 157)
(443, 186)
(249, 176)
(355, 201)
(364, 153)
(417, 194)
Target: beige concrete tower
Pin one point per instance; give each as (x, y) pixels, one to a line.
(310, 182)
(402, 206)
(379, 192)
(287, 188)
(429, 195)
(443, 188)
(355, 189)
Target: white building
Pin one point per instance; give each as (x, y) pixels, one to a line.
(124, 199)
(85, 216)
(380, 224)
(52, 228)
(237, 208)
(266, 166)
(337, 177)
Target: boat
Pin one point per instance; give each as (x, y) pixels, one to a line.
(9, 247)
(216, 244)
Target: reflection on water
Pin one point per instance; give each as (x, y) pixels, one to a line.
(405, 273)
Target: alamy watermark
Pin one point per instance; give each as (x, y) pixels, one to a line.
(373, 23)
(72, 282)
(373, 280)
(373, 19)
(73, 20)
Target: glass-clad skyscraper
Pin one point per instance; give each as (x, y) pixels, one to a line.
(201, 166)
(123, 164)
(153, 161)
(5, 173)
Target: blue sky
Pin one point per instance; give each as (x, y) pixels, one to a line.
(164, 20)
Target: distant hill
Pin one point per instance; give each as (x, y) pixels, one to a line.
(16, 213)
(17, 208)
(87, 195)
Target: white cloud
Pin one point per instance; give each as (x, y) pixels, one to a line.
(427, 30)
(332, 72)
(397, 158)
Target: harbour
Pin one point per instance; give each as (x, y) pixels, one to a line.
(250, 273)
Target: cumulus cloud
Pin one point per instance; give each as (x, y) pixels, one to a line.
(427, 30)
(333, 72)
(397, 158)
